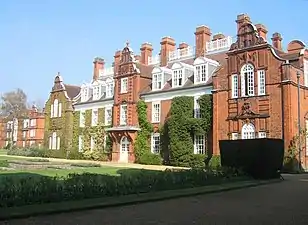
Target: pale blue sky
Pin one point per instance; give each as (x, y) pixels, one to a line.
(41, 37)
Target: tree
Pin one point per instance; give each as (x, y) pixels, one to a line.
(13, 104)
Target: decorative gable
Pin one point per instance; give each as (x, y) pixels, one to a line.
(247, 37)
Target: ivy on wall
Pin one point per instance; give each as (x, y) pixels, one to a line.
(142, 144)
(181, 126)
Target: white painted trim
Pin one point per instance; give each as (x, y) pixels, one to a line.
(260, 74)
(202, 60)
(123, 87)
(152, 141)
(152, 111)
(168, 95)
(93, 105)
(233, 93)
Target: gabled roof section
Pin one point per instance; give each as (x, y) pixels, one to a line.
(70, 91)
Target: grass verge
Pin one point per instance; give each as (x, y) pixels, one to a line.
(70, 206)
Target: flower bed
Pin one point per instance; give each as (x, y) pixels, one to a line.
(27, 189)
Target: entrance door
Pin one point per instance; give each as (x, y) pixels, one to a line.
(124, 149)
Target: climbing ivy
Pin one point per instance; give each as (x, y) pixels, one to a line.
(180, 127)
(97, 133)
(142, 147)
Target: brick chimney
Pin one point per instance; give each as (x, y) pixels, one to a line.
(146, 52)
(277, 41)
(167, 45)
(182, 45)
(99, 64)
(241, 19)
(117, 59)
(218, 36)
(202, 36)
(262, 31)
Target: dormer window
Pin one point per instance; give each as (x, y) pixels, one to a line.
(203, 69)
(109, 88)
(84, 94)
(157, 81)
(177, 78)
(96, 92)
(180, 73)
(201, 73)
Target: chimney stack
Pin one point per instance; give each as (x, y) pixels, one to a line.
(202, 36)
(117, 59)
(262, 31)
(241, 19)
(167, 45)
(277, 41)
(99, 64)
(146, 52)
(182, 45)
(218, 37)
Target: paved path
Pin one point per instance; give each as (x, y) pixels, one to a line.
(280, 203)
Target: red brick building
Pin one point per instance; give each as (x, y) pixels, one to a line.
(252, 79)
(24, 132)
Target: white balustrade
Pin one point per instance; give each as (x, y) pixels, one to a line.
(153, 60)
(107, 71)
(218, 45)
(181, 53)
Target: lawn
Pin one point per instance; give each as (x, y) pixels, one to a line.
(63, 172)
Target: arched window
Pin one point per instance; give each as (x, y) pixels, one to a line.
(247, 80)
(248, 131)
(125, 144)
(55, 108)
(54, 141)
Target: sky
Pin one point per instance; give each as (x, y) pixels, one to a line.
(42, 37)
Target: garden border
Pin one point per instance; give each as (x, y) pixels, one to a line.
(87, 204)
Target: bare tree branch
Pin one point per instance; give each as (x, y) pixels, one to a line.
(14, 104)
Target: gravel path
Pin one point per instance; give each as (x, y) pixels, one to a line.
(280, 203)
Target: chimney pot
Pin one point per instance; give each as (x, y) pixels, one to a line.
(99, 64)
(262, 31)
(202, 36)
(167, 45)
(146, 52)
(277, 41)
(218, 36)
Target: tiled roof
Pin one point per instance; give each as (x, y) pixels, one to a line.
(72, 90)
(219, 57)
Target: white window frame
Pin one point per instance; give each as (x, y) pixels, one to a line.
(32, 133)
(305, 72)
(247, 75)
(82, 119)
(26, 123)
(84, 94)
(157, 83)
(54, 141)
(199, 144)
(261, 82)
(197, 112)
(124, 85)
(234, 136)
(94, 117)
(201, 73)
(234, 86)
(23, 144)
(24, 134)
(109, 89)
(58, 142)
(51, 111)
(92, 144)
(96, 92)
(262, 134)
(123, 114)
(125, 143)
(155, 137)
(80, 143)
(156, 110)
(32, 122)
(108, 120)
(177, 76)
(55, 107)
(248, 131)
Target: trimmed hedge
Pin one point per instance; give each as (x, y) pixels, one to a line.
(23, 189)
(261, 158)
